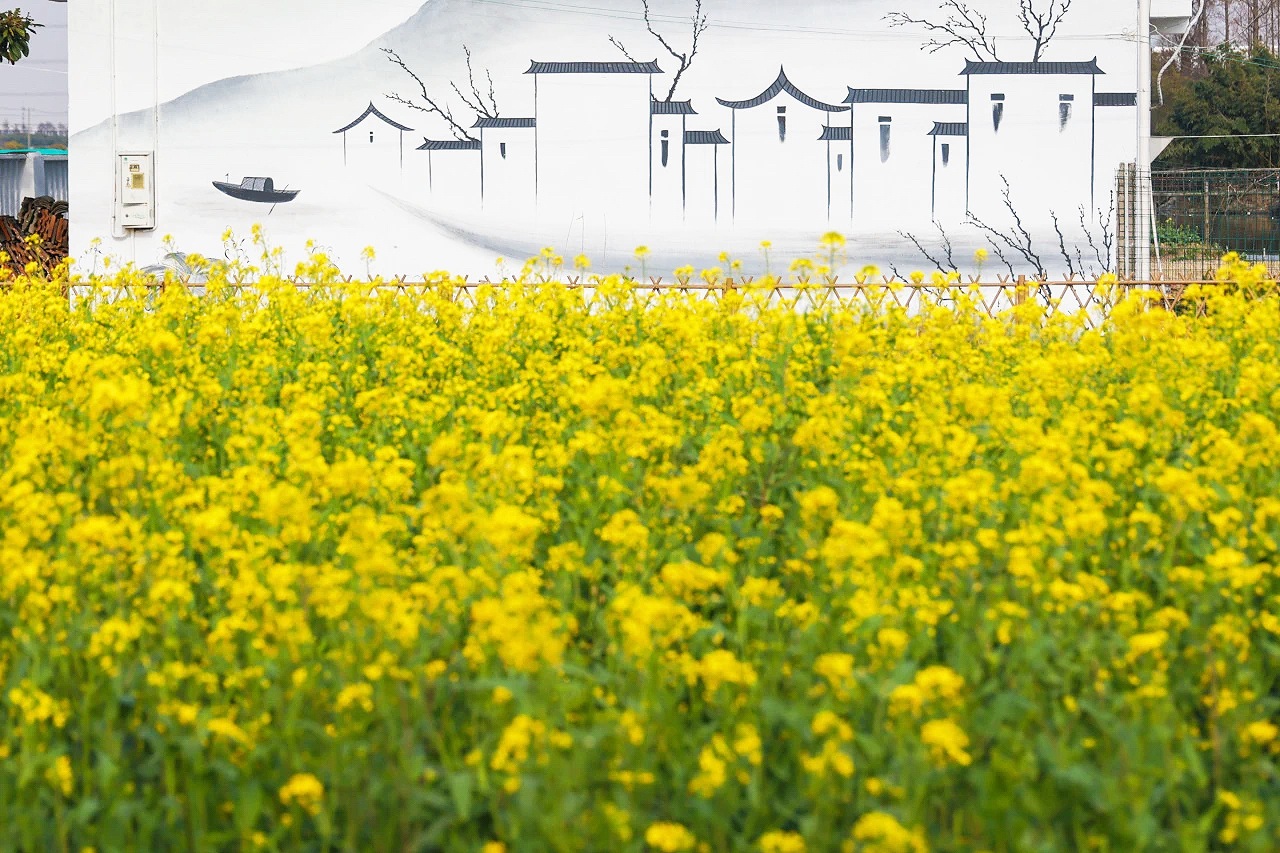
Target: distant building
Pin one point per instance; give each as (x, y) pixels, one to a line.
(373, 142)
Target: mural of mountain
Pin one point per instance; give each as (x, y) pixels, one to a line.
(685, 181)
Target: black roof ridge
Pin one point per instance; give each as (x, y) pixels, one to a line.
(502, 121)
(783, 84)
(906, 96)
(449, 145)
(374, 111)
(1082, 67)
(705, 137)
(590, 67)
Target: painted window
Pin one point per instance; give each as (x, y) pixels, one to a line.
(666, 147)
(1065, 103)
(886, 128)
(997, 111)
(946, 154)
(502, 149)
(371, 137)
(782, 124)
(839, 162)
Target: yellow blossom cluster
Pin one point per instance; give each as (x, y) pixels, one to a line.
(528, 567)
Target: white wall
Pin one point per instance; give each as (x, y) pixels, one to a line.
(225, 90)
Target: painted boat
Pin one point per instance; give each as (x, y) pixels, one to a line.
(257, 189)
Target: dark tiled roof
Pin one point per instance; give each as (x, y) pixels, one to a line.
(836, 134)
(372, 111)
(594, 68)
(704, 137)
(949, 128)
(905, 96)
(782, 84)
(1115, 99)
(450, 145)
(1090, 67)
(505, 122)
(672, 108)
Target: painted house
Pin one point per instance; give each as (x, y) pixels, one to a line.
(453, 171)
(948, 180)
(779, 162)
(508, 163)
(668, 165)
(893, 150)
(1030, 122)
(592, 137)
(707, 189)
(373, 143)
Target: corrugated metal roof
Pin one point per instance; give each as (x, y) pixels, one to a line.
(704, 137)
(836, 134)
(905, 96)
(373, 111)
(1090, 67)
(1115, 99)
(450, 145)
(782, 84)
(594, 68)
(950, 128)
(505, 122)
(672, 108)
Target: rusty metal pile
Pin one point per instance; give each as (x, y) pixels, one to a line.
(43, 217)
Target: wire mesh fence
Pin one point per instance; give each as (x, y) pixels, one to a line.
(1198, 216)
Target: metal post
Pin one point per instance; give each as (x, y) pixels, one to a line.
(1143, 207)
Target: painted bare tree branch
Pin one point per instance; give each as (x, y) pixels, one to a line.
(1017, 239)
(958, 24)
(684, 59)
(482, 104)
(962, 26)
(1106, 241)
(1042, 23)
(1062, 246)
(947, 262)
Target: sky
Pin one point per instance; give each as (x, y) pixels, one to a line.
(39, 81)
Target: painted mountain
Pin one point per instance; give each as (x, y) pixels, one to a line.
(791, 120)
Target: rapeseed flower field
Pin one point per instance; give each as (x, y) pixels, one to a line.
(348, 570)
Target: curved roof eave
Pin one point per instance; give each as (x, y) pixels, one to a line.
(374, 111)
(782, 84)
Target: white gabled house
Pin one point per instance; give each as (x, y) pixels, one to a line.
(779, 160)
(892, 150)
(668, 166)
(706, 175)
(593, 137)
(1028, 120)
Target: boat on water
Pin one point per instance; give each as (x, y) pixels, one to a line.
(261, 190)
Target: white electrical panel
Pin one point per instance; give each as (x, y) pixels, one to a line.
(135, 191)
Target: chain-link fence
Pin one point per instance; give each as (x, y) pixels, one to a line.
(1199, 216)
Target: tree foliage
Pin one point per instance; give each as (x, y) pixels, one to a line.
(1226, 92)
(16, 29)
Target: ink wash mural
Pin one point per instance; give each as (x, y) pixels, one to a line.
(465, 130)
